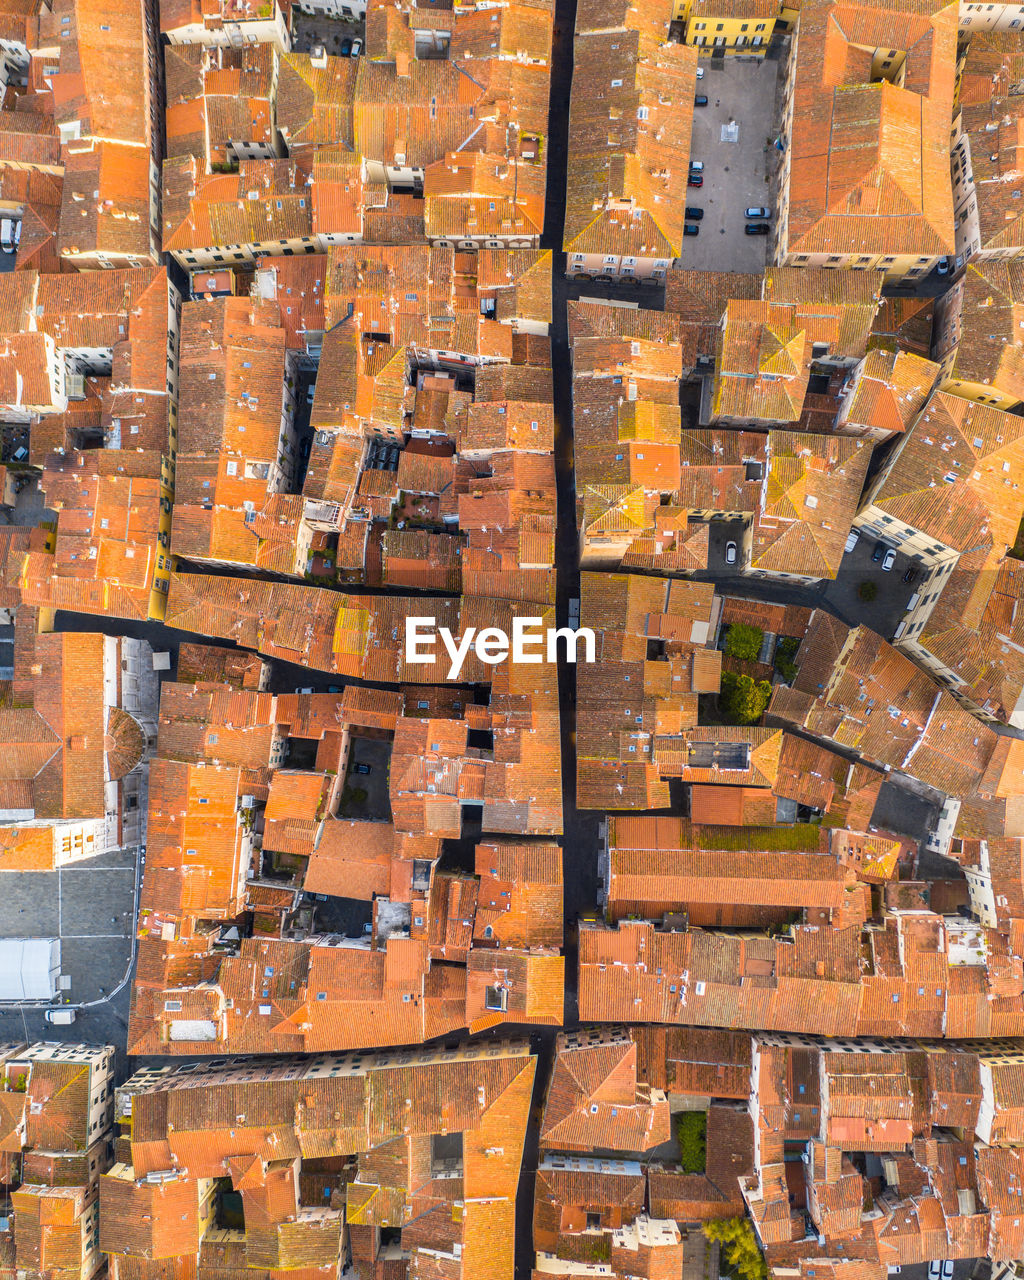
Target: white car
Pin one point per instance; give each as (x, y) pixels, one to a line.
(730, 553)
(757, 211)
(696, 166)
(943, 267)
(700, 73)
(852, 541)
(357, 48)
(888, 561)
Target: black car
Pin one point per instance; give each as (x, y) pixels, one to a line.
(701, 100)
(879, 551)
(362, 768)
(693, 213)
(691, 229)
(346, 48)
(757, 229)
(911, 574)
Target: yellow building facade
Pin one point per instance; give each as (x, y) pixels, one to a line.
(728, 26)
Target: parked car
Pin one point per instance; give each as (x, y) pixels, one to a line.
(700, 73)
(757, 228)
(889, 561)
(310, 392)
(61, 1017)
(691, 229)
(879, 551)
(852, 540)
(730, 553)
(942, 267)
(696, 166)
(346, 47)
(309, 690)
(701, 100)
(362, 768)
(7, 241)
(940, 1271)
(757, 211)
(693, 213)
(695, 180)
(911, 574)
(357, 47)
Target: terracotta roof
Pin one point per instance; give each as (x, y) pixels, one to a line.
(595, 1098)
(626, 177)
(988, 80)
(520, 898)
(952, 476)
(881, 185)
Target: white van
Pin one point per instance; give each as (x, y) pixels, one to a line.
(61, 1017)
(8, 240)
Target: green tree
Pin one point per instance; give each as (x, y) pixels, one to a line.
(739, 1247)
(867, 590)
(742, 700)
(742, 641)
(785, 655)
(691, 1133)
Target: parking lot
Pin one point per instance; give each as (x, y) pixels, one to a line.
(366, 794)
(720, 534)
(883, 614)
(90, 906)
(732, 135)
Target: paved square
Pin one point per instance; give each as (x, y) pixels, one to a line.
(28, 905)
(97, 902)
(742, 93)
(90, 906)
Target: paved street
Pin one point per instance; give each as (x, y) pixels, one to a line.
(731, 136)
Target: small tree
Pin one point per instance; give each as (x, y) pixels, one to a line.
(867, 590)
(742, 641)
(742, 700)
(691, 1133)
(785, 653)
(739, 1247)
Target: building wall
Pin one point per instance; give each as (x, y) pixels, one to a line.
(617, 266)
(731, 35)
(482, 241)
(229, 34)
(334, 8)
(230, 254)
(74, 841)
(991, 17)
